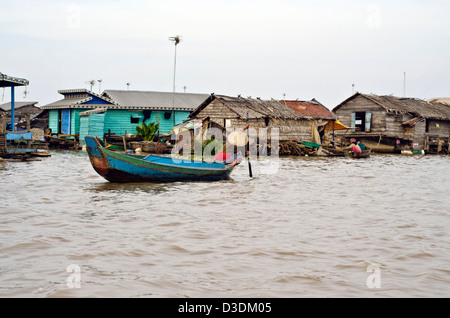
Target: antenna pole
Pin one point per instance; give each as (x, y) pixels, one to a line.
(404, 84)
(176, 40)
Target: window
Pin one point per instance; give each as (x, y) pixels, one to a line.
(361, 121)
(134, 119)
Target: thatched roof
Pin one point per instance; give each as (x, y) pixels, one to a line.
(443, 100)
(415, 107)
(255, 108)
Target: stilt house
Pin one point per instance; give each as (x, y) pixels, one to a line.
(118, 111)
(232, 112)
(393, 124)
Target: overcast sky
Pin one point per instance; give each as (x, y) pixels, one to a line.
(269, 49)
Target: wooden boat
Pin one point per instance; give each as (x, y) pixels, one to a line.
(110, 146)
(70, 142)
(364, 154)
(121, 167)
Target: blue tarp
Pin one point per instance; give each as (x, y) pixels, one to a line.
(19, 135)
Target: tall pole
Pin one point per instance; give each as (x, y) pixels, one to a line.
(404, 84)
(176, 40)
(12, 107)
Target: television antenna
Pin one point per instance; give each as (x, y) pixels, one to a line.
(176, 40)
(92, 83)
(100, 86)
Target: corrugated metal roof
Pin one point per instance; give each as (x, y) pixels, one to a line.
(17, 105)
(309, 108)
(67, 102)
(155, 100)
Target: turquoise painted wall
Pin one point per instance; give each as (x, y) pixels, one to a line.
(118, 121)
(84, 128)
(75, 121)
(53, 120)
(165, 125)
(92, 125)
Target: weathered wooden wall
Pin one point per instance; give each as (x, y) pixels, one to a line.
(390, 124)
(361, 104)
(439, 128)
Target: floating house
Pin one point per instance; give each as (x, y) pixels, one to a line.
(12, 82)
(167, 109)
(393, 124)
(13, 140)
(22, 110)
(63, 115)
(232, 112)
(118, 112)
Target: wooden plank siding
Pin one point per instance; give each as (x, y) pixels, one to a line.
(53, 120)
(75, 121)
(119, 121)
(405, 123)
(361, 104)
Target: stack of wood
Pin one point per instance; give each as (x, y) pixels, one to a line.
(295, 148)
(151, 147)
(331, 151)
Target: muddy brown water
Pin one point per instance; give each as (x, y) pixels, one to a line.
(301, 227)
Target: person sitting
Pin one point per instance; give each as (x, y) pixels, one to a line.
(227, 158)
(353, 146)
(361, 146)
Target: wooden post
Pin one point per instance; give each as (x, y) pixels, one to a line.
(13, 106)
(2, 134)
(28, 130)
(124, 144)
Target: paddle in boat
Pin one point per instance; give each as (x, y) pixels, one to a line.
(121, 167)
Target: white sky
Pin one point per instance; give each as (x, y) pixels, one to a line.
(303, 49)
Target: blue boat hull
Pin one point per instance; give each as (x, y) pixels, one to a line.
(120, 167)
